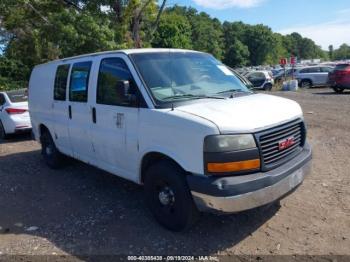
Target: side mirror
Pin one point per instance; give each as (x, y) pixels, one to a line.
(124, 87)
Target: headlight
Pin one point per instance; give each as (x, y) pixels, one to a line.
(225, 143)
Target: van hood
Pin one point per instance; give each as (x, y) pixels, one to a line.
(246, 113)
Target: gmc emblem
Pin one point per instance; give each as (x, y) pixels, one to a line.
(284, 144)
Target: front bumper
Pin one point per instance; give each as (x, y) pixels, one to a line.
(333, 83)
(243, 192)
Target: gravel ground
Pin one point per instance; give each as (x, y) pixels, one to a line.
(80, 210)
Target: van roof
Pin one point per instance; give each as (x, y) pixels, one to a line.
(125, 51)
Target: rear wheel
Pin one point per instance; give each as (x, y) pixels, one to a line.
(52, 157)
(168, 196)
(2, 132)
(306, 84)
(338, 89)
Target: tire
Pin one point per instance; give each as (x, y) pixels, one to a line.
(305, 83)
(168, 196)
(3, 135)
(52, 157)
(338, 90)
(268, 87)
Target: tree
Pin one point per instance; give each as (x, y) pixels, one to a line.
(38, 31)
(52, 31)
(259, 39)
(278, 51)
(13, 73)
(303, 48)
(34, 32)
(237, 54)
(330, 51)
(174, 32)
(206, 32)
(343, 52)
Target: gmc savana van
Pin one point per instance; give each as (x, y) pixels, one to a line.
(177, 121)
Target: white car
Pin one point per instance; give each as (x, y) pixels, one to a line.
(313, 76)
(14, 115)
(261, 79)
(178, 122)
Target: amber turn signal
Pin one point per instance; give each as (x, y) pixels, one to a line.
(233, 166)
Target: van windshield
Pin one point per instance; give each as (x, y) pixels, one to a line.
(186, 75)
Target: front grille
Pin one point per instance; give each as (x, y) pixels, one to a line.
(269, 140)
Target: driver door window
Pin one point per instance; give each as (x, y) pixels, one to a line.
(112, 72)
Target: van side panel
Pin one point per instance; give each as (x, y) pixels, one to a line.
(175, 134)
(180, 136)
(41, 97)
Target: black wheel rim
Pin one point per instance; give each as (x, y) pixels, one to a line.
(305, 85)
(165, 197)
(48, 148)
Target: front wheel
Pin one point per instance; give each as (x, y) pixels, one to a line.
(168, 196)
(338, 89)
(306, 84)
(52, 157)
(268, 87)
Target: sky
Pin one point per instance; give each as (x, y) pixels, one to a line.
(324, 21)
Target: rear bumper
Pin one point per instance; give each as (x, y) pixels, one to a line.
(21, 130)
(239, 193)
(16, 124)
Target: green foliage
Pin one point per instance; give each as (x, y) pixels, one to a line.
(278, 51)
(13, 74)
(34, 32)
(206, 32)
(303, 48)
(264, 46)
(237, 54)
(173, 31)
(330, 51)
(10, 84)
(343, 52)
(259, 40)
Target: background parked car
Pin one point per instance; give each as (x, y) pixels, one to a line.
(14, 115)
(339, 78)
(276, 72)
(280, 75)
(313, 76)
(261, 79)
(241, 77)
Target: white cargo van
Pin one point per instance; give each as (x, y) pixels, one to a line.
(177, 121)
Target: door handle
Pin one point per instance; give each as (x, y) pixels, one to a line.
(70, 111)
(120, 118)
(94, 115)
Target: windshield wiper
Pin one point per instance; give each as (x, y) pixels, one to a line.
(192, 96)
(233, 91)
